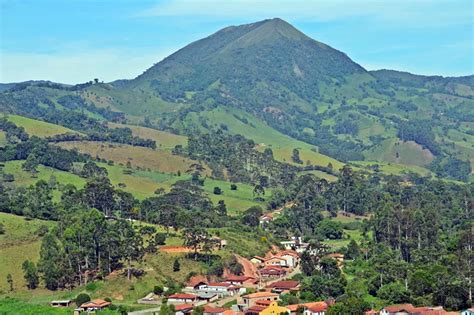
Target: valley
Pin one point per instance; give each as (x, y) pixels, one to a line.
(255, 164)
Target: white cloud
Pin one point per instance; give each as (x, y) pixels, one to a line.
(76, 66)
(417, 13)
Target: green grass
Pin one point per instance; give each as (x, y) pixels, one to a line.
(19, 243)
(394, 168)
(3, 139)
(409, 153)
(164, 140)
(265, 136)
(24, 178)
(37, 127)
(145, 158)
(236, 201)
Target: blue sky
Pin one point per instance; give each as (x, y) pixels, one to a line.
(73, 41)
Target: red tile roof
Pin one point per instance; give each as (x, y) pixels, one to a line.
(96, 303)
(183, 307)
(215, 310)
(194, 281)
(285, 284)
(255, 309)
(182, 296)
(399, 307)
(294, 307)
(219, 284)
(263, 302)
(238, 278)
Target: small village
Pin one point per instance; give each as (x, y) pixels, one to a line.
(260, 290)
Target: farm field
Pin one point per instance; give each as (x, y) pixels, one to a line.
(145, 158)
(408, 152)
(37, 127)
(164, 140)
(20, 242)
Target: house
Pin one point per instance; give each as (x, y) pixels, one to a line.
(295, 244)
(257, 260)
(284, 286)
(255, 310)
(210, 310)
(207, 297)
(221, 288)
(95, 305)
(274, 309)
(291, 257)
(319, 309)
(60, 303)
(275, 261)
(469, 311)
(241, 280)
(309, 308)
(338, 257)
(196, 283)
(272, 272)
(250, 300)
(182, 298)
(266, 218)
(183, 309)
(409, 309)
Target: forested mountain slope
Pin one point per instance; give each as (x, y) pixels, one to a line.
(270, 81)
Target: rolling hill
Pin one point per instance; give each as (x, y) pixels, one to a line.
(273, 84)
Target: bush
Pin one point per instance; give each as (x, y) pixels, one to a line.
(82, 298)
(91, 286)
(217, 191)
(233, 187)
(107, 299)
(158, 290)
(2, 229)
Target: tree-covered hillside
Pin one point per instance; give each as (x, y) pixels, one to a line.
(269, 74)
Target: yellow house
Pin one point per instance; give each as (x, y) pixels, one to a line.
(274, 309)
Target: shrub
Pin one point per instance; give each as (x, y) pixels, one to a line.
(82, 298)
(158, 290)
(233, 187)
(217, 191)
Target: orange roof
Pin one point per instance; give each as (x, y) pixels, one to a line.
(399, 307)
(96, 303)
(255, 309)
(371, 312)
(263, 302)
(182, 296)
(219, 284)
(320, 304)
(260, 295)
(183, 307)
(285, 284)
(210, 309)
(238, 278)
(194, 281)
(288, 252)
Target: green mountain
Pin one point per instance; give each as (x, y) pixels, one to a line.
(273, 84)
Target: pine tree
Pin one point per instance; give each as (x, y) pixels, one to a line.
(51, 261)
(176, 265)
(10, 281)
(30, 274)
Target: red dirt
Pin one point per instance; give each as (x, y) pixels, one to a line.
(250, 270)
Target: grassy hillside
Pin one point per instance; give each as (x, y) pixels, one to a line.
(164, 140)
(393, 168)
(20, 242)
(145, 158)
(401, 152)
(37, 127)
(247, 125)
